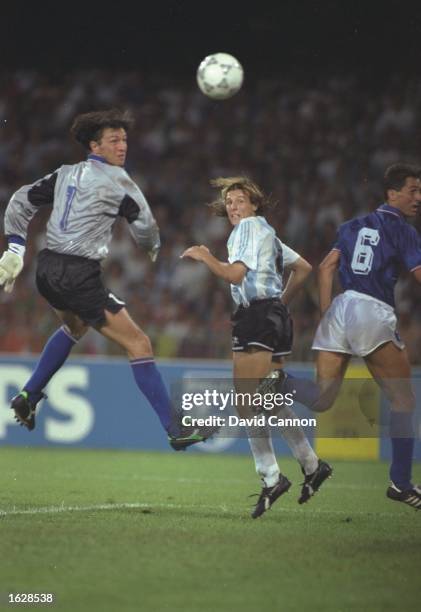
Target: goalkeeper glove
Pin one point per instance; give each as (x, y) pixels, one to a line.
(11, 265)
(153, 253)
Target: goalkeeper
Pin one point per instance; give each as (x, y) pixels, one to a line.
(87, 199)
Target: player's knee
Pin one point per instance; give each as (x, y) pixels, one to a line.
(76, 330)
(400, 395)
(326, 398)
(321, 405)
(139, 345)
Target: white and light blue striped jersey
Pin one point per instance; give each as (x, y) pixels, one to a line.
(254, 242)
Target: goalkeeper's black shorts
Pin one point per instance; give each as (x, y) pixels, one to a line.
(75, 284)
(266, 325)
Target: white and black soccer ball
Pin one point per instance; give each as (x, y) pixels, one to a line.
(220, 76)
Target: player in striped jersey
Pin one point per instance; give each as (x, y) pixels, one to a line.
(262, 327)
(369, 253)
(87, 198)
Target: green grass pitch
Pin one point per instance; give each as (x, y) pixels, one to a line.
(117, 531)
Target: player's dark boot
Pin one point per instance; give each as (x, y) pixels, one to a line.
(269, 495)
(412, 496)
(191, 435)
(270, 385)
(273, 383)
(25, 409)
(313, 482)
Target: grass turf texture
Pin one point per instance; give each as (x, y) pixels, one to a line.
(146, 531)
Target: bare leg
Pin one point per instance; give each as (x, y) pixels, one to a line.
(75, 326)
(331, 369)
(248, 366)
(391, 369)
(121, 328)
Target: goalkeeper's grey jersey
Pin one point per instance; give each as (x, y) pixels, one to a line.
(87, 198)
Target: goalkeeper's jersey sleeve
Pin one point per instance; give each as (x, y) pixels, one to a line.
(25, 202)
(87, 199)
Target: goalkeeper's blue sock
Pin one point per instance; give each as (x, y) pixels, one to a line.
(150, 382)
(402, 438)
(52, 358)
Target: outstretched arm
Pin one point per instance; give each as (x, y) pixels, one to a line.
(135, 209)
(327, 271)
(24, 203)
(233, 273)
(299, 272)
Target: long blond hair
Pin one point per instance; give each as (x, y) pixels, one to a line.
(229, 183)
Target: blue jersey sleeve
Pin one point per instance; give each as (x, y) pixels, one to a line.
(336, 246)
(410, 247)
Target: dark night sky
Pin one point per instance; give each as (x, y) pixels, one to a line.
(297, 36)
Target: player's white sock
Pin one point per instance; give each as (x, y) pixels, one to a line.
(263, 454)
(298, 443)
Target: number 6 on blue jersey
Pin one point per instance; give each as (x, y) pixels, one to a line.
(362, 258)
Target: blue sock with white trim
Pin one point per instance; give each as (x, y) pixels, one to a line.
(52, 358)
(402, 439)
(149, 381)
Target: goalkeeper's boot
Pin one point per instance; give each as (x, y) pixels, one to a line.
(25, 409)
(313, 482)
(191, 435)
(411, 496)
(269, 495)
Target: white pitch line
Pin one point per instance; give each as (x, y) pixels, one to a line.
(150, 506)
(94, 507)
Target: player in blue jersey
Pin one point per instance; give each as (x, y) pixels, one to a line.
(262, 327)
(369, 253)
(86, 199)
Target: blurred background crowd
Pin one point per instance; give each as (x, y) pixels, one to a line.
(319, 150)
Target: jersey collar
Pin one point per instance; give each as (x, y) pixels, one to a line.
(97, 158)
(391, 210)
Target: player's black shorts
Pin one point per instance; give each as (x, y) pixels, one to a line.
(70, 282)
(265, 324)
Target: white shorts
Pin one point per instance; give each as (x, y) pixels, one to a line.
(357, 324)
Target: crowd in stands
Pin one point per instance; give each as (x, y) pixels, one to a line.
(319, 149)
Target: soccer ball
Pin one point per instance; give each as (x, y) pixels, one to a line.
(220, 76)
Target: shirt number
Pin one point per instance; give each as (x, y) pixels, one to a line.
(70, 194)
(362, 259)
